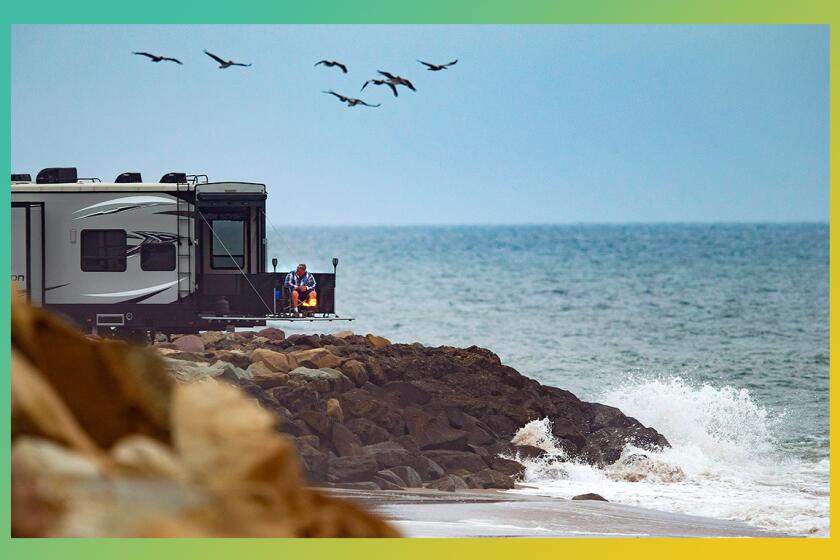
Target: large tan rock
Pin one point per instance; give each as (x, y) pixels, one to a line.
(275, 361)
(356, 371)
(148, 457)
(189, 343)
(316, 358)
(376, 341)
(212, 337)
(265, 377)
(343, 334)
(225, 441)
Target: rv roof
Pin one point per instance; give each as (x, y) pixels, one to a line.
(136, 187)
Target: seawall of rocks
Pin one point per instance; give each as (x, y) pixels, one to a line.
(368, 414)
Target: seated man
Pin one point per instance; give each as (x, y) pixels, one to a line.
(301, 284)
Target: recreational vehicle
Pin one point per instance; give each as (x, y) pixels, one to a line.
(179, 255)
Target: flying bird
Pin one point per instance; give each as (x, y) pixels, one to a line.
(438, 67)
(351, 102)
(398, 80)
(224, 63)
(331, 63)
(157, 58)
(381, 83)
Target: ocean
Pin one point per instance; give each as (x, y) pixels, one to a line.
(715, 335)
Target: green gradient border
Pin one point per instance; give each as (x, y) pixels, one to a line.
(378, 11)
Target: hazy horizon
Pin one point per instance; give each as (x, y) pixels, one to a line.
(535, 125)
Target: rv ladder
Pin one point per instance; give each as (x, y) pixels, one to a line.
(184, 231)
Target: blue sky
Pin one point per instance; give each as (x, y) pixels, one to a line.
(535, 124)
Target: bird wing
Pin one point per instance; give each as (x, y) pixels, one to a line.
(342, 66)
(452, 63)
(214, 57)
(426, 63)
(393, 88)
(368, 104)
(321, 62)
(238, 64)
(364, 86)
(172, 59)
(386, 74)
(409, 84)
(144, 54)
(331, 92)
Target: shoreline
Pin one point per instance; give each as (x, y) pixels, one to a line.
(428, 513)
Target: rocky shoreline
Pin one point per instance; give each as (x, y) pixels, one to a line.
(366, 414)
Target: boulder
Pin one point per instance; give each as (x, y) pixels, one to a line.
(448, 483)
(507, 466)
(528, 452)
(265, 377)
(488, 478)
(391, 477)
(410, 476)
(272, 334)
(303, 340)
(357, 468)
(210, 338)
(387, 454)
(591, 496)
(233, 357)
(324, 379)
(403, 394)
(426, 468)
(362, 404)
(189, 343)
(456, 460)
(433, 432)
(356, 371)
(316, 358)
(376, 341)
(367, 431)
(317, 421)
(345, 442)
(276, 361)
(343, 334)
(385, 484)
(196, 371)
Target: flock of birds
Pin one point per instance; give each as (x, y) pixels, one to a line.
(385, 79)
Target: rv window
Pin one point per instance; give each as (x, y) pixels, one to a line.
(157, 256)
(103, 250)
(228, 243)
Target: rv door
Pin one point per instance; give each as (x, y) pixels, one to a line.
(28, 250)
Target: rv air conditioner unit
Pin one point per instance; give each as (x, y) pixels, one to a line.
(54, 175)
(129, 177)
(174, 178)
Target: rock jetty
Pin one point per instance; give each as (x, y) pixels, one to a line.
(364, 413)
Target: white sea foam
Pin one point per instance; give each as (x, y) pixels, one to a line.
(724, 461)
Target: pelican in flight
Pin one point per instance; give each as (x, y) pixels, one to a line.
(331, 63)
(397, 80)
(381, 83)
(224, 63)
(438, 67)
(157, 58)
(351, 102)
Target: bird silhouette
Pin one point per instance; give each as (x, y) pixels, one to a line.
(351, 101)
(331, 63)
(224, 63)
(397, 80)
(381, 83)
(157, 58)
(438, 67)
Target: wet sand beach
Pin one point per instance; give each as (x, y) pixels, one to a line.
(491, 513)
